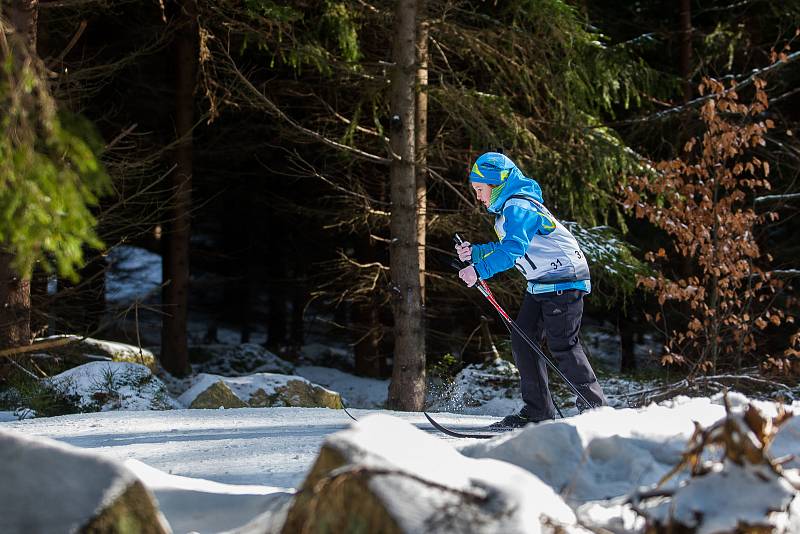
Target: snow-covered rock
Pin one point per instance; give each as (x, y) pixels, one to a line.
(237, 360)
(604, 453)
(103, 386)
(77, 346)
(325, 355)
(217, 395)
(786, 444)
(259, 390)
(384, 475)
(599, 459)
(51, 487)
(716, 503)
(356, 391)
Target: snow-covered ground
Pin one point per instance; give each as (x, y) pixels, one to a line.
(261, 446)
(356, 391)
(238, 462)
(134, 273)
(212, 470)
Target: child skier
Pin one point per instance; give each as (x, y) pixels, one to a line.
(547, 254)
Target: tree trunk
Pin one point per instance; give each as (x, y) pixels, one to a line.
(174, 336)
(625, 326)
(277, 324)
(685, 13)
(299, 299)
(367, 351)
(40, 303)
(15, 314)
(23, 16)
(421, 139)
(15, 291)
(407, 388)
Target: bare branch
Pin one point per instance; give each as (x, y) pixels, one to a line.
(755, 73)
(777, 198)
(275, 110)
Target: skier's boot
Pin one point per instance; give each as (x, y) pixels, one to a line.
(515, 420)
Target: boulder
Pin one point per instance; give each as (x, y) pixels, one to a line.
(260, 390)
(218, 395)
(237, 360)
(385, 475)
(297, 392)
(715, 502)
(77, 348)
(103, 386)
(52, 487)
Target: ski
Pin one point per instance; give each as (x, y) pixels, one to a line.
(344, 407)
(453, 433)
(444, 430)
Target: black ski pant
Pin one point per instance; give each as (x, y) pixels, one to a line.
(557, 317)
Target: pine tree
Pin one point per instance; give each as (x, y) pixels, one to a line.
(50, 175)
(407, 388)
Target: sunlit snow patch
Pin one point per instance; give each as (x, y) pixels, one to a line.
(133, 273)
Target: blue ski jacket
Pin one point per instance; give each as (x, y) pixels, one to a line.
(530, 239)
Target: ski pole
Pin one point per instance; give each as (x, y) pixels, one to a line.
(483, 287)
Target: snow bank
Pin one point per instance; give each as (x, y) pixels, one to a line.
(410, 481)
(603, 453)
(51, 487)
(598, 459)
(198, 505)
(730, 497)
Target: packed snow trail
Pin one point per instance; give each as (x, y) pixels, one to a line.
(261, 446)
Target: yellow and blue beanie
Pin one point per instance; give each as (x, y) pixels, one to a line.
(491, 168)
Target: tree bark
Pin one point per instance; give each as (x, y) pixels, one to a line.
(299, 299)
(368, 358)
(23, 16)
(15, 291)
(40, 303)
(15, 313)
(421, 139)
(685, 13)
(174, 335)
(277, 324)
(407, 388)
(627, 362)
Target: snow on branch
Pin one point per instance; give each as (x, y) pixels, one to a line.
(778, 198)
(754, 74)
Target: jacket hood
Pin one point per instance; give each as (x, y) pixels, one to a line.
(516, 184)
